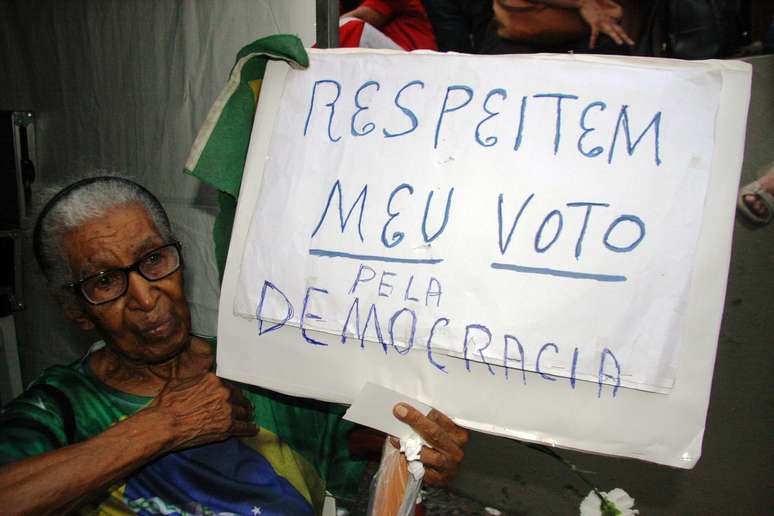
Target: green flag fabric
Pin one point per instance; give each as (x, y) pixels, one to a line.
(300, 450)
(218, 153)
(218, 158)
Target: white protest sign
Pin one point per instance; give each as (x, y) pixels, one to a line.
(532, 221)
(517, 217)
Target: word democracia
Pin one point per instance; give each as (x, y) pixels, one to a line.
(478, 345)
(328, 108)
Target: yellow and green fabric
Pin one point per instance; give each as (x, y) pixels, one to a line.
(217, 158)
(218, 153)
(300, 451)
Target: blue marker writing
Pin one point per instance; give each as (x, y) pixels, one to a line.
(444, 110)
(438, 321)
(308, 315)
(259, 310)
(331, 105)
(369, 126)
(343, 221)
(406, 111)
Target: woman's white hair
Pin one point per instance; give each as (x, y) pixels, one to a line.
(78, 203)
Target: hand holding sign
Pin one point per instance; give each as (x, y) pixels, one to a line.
(443, 460)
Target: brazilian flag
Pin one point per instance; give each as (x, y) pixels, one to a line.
(218, 158)
(218, 154)
(300, 451)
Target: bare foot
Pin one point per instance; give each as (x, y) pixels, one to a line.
(754, 202)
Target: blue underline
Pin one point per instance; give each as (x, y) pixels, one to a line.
(372, 258)
(557, 272)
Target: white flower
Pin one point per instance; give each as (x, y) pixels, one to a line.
(619, 503)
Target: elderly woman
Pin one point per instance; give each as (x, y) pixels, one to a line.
(140, 424)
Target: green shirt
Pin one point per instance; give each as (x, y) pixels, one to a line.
(301, 448)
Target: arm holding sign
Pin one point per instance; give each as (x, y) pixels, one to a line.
(444, 440)
(442, 461)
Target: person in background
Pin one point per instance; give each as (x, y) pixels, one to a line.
(459, 25)
(141, 424)
(756, 200)
(462, 25)
(404, 24)
(528, 26)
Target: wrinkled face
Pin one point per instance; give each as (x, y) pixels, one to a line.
(151, 322)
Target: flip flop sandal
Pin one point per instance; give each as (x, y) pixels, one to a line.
(765, 197)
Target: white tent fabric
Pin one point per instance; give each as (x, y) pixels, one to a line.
(121, 88)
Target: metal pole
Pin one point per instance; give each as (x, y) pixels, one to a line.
(327, 15)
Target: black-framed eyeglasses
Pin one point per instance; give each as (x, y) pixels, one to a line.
(109, 285)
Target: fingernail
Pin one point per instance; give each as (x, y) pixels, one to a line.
(400, 411)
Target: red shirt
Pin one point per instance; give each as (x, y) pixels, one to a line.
(409, 25)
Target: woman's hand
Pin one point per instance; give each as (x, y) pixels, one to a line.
(442, 461)
(204, 409)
